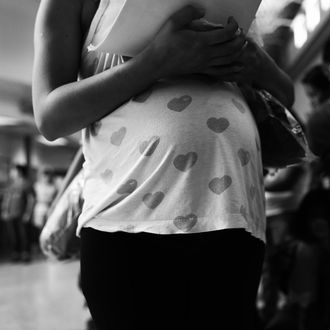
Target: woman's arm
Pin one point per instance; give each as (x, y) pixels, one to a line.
(275, 80)
(260, 70)
(63, 105)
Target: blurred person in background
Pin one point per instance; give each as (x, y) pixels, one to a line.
(16, 210)
(45, 190)
(317, 86)
(284, 190)
(303, 268)
(316, 83)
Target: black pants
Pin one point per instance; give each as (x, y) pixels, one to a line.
(189, 281)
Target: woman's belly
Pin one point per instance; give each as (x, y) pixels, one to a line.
(180, 148)
(173, 114)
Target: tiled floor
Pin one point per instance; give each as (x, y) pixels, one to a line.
(42, 295)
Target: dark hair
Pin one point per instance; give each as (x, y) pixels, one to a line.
(22, 170)
(315, 204)
(319, 78)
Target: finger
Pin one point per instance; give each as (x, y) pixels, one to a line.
(204, 25)
(235, 77)
(232, 25)
(220, 71)
(186, 15)
(229, 32)
(233, 47)
(223, 61)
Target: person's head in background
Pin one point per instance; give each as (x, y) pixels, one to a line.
(312, 221)
(316, 83)
(18, 172)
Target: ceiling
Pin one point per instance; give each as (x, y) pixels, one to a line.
(16, 54)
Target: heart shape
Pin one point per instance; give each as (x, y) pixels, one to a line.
(218, 125)
(128, 187)
(117, 137)
(106, 176)
(180, 104)
(244, 156)
(239, 106)
(147, 148)
(153, 200)
(185, 162)
(142, 97)
(185, 223)
(220, 185)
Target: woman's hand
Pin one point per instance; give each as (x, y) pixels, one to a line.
(252, 61)
(256, 69)
(184, 46)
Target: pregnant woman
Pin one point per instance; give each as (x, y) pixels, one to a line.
(173, 227)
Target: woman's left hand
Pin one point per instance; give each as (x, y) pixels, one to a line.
(251, 58)
(253, 63)
(259, 70)
(255, 68)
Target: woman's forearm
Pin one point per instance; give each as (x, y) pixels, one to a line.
(73, 106)
(275, 81)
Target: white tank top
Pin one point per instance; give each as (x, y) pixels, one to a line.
(181, 157)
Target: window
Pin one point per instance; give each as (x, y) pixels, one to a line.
(308, 19)
(300, 30)
(325, 5)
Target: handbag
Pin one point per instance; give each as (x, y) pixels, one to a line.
(282, 138)
(58, 238)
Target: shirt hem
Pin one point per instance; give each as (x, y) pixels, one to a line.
(164, 227)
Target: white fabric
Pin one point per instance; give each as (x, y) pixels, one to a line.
(182, 157)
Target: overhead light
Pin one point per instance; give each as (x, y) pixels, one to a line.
(313, 14)
(300, 30)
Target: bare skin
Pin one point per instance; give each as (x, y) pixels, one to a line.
(63, 105)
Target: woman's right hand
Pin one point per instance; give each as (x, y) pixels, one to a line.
(180, 49)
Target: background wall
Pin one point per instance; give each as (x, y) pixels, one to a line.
(12, 148)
